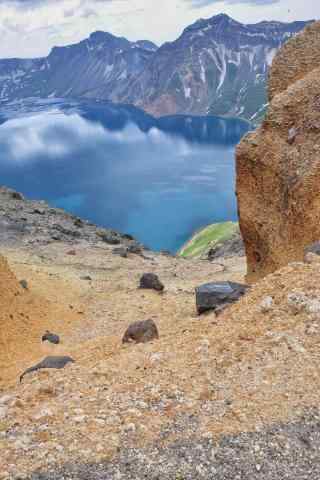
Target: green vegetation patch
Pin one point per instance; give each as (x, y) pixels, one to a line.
(208, 238)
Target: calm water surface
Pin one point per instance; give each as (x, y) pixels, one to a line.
(158, 180)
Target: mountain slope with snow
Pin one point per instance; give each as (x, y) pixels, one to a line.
(101, 66)
(217, 66)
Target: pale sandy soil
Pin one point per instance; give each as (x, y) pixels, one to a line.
(242, 371)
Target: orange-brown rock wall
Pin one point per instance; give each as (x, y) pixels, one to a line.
(278, 166)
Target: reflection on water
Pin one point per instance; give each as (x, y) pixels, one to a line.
(158, 180)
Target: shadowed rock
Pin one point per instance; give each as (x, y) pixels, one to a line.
(121, 251)
(110, 237)
(216, 296)
(49, 362)
(141, 332)
(151, 281)
(135, 248)
(313, 248)
(51, 337)
(24, 284)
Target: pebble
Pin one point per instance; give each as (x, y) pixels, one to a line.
(45, 412)
(6, 399)
(129, 428)
(79, 419)
(266, 305)
(3, 412)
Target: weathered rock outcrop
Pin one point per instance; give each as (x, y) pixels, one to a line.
(278, 166)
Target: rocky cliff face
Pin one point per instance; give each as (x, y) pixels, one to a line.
(278, 166)
(217, 66)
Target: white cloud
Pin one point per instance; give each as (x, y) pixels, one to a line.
(30, 28)
(27, 138)
(53, 135)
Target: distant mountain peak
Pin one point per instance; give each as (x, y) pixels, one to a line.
(222, 17)
(147, 45)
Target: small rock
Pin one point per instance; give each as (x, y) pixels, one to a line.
(310, 257)
(129, 428)
(80, 419)
(3, 411)
(100, 421)
(151, 281)
(5, 399)
(38, 211)
(211, 296)
(45, 412)
(311, 329)
(78, 222)
(121, 251)
(49, 362)
(51, 338)
(72, 252)
(109, 237)
(292, 134)
(135, 248)
(297, 302)
(156, 357)
(16, 195)
(313, 248)
(24, 284)
(127, 236)
(166, 253)
(141, 332)
(86, 277)
(266, 305)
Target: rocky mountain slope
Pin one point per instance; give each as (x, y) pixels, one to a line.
(100, 66)
(217, 66)
(278, 166)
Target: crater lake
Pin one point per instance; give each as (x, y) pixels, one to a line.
(156, 179)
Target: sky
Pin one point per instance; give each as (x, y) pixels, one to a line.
(30, 28)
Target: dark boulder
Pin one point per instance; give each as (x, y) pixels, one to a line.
(24, 284)
(127, 236)
(151, 281)
(51, 337)
(49, 362)
(78, 223)
(16, 195)
(135, 248)
(166, 253)
(38, 211)
(86, 278)
(215, 296)
(108, 236)
(141, 332)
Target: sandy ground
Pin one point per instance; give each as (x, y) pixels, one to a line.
(243, 371)
(60, 299)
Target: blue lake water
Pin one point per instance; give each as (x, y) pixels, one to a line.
(157, 179)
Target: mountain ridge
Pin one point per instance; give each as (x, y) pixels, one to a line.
(216, 66)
